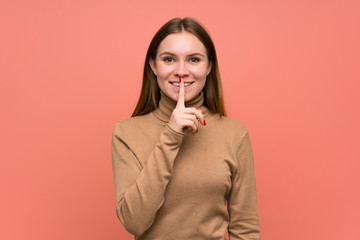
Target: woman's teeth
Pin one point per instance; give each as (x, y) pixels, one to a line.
(178, 84)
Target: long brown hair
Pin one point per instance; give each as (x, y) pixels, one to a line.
(150, 92)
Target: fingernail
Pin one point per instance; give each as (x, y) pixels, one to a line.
(204, 123)
(196, 130)
(179, 79)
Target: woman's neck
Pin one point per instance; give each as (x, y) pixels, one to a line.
(167, 105)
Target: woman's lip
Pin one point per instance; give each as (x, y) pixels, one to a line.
(178, 81)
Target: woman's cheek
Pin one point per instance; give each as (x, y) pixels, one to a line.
(199, 73)
(165, 72)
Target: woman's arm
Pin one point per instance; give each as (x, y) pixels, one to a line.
(242, 201)
(139, 191)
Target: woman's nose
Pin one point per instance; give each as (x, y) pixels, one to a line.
(181, 70)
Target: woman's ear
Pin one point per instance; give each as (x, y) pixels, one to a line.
(209, 68)
(152, 65)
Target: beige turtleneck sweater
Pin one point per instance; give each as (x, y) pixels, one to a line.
(171, 185)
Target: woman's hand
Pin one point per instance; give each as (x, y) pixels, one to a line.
(183, 118)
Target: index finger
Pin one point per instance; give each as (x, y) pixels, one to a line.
(181, 99)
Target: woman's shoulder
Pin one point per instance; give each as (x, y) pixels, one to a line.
(230, 124)
(128, 125)
(229, 130)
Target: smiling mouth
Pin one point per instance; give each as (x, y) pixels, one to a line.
(178, 84)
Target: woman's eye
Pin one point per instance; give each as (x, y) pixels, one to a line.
(194, 59)
(168, 59)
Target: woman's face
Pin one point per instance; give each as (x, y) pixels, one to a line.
(181, 55)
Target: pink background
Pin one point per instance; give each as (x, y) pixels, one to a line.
(70, 70)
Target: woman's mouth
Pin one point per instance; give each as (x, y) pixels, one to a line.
(178, 84)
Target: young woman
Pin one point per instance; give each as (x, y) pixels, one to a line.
(182, 169)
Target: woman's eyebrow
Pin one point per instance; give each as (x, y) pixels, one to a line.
(195, 54)
(166, 53)
(172, 54)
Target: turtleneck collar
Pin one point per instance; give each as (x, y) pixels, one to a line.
(167, 105)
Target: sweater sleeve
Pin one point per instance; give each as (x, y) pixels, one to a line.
(139, 190)
(242, 201)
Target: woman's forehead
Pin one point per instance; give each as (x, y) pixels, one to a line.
(181, 43)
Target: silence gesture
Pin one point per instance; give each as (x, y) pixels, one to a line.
(184, 119)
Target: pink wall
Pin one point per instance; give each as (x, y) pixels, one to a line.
(70, 69)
